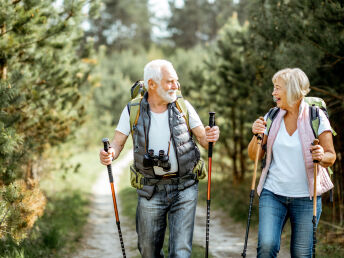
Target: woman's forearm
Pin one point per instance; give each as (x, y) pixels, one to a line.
(328, 159)
(253, 148)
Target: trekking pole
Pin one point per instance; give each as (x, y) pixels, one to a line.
(253, 185)
(210, 155)
(315, 142)
(106, 148)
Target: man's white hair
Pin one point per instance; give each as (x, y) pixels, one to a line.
(152, 71)
(296, 82)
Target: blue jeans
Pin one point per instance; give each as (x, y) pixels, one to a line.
(180, 208)
(274, 211)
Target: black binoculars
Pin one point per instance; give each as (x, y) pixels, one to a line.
(150, 160)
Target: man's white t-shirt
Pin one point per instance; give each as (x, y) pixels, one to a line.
(287, 172)
(159, 133)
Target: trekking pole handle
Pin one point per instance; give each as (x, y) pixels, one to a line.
(106, 144)
(106, 148)
(315, 142)
(211, 119)
(211, 124)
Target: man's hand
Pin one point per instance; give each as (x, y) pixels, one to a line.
(106, 157)
(212, 134)
(114, 150)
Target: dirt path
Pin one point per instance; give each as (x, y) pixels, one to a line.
(226, 237)
(101, 235)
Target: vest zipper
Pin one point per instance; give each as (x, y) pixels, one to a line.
(171, 132)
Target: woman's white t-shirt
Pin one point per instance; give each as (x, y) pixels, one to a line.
(159, 133)
(287, 172)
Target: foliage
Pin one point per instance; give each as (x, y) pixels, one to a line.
(24, 205)
(41, 75)
(197, 21)
(224, 85)
(122, 24)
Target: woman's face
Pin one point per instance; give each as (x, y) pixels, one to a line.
(280, 93)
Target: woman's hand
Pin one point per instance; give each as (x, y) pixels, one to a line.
(317, 152)
(259, 126)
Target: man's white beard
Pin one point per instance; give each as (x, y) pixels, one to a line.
(166, 95)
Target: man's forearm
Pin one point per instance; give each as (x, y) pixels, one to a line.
(118, 143)
(203, 143)
(117, 148)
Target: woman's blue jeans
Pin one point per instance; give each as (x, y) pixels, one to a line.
(151, 221)
(274, 211)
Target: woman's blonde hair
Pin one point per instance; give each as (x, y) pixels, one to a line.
(296, 82)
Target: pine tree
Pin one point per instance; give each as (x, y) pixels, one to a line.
(225, 85)
(197, 21)
(123, 24)
(41, 78)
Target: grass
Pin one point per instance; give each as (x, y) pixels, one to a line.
(128, 198)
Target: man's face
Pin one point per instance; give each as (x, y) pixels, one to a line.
(168, 86)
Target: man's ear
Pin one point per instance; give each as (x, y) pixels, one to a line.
(152, 84)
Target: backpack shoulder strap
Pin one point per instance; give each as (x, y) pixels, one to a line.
(271, 116)
(181, 106)
(134, 112)
(314, 119)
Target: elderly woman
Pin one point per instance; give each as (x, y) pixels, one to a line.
(286, 183)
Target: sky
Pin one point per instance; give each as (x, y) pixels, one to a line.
(161, 10)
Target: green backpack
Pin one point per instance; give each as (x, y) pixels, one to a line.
(315, 104)
(137, 92)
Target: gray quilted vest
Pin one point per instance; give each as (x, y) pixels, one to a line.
(187, 152)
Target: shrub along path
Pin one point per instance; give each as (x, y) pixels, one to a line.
(100, 238)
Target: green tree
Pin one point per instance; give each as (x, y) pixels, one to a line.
(197, 21)
(122, 24)
(40, 90)
(226, 87)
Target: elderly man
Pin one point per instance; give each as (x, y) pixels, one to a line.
(171, 186)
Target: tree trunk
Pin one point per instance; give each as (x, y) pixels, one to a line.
(236, 176)
(3, 65)
(242, 146)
